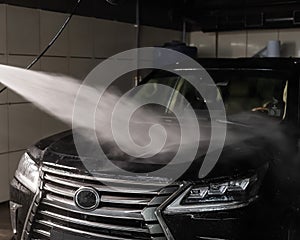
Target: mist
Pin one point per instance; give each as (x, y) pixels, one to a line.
(57, 94)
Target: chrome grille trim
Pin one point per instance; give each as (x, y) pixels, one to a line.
(150, 181)
(124, 214)
(76, 184)
(91, 224)
(104, 198)
(159, 210)
(124, 200)
(50, 224)
(42, 232)
(74, 209)
(58, 190)
(70, 205)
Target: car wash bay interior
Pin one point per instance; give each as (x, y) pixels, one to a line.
(26, 28)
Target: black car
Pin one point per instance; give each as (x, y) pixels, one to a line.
(253, 192)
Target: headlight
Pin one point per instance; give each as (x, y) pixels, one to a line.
(235, 190)
(215, 196)
(28, 173)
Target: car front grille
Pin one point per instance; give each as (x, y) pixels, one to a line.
(127, 212)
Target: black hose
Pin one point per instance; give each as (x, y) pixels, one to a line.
(53, 39)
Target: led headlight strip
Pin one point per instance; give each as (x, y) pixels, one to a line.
(215, 196)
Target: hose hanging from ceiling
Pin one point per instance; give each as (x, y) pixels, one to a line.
(62, 28)
(138, 38)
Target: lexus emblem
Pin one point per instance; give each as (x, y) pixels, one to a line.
(87, 198)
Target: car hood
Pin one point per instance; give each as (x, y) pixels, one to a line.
(244, 151)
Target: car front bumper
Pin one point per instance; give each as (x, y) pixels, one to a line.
(254, 221)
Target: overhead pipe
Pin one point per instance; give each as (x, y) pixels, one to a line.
(272, 20)
(184, 31)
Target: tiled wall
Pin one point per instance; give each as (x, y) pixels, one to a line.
(85, 42)
(245, 43)
(205, 42)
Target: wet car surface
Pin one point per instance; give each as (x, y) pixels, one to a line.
(251, 193)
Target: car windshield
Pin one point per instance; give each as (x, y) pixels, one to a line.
(261, 91)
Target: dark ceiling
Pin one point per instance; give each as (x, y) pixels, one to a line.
(206, 15)
(224, 15)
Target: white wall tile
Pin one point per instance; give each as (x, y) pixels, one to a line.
(51, 22)
(112, 37)
(232, 44)
(14, 97)
(97, 61)
(2, 28)
(13, 162)
(257, 40)
(80, 67)
(51, 125)
(242, 43)
(55, 65)
(24, 126)
(4, 178)
(23, 62)
(290, 40)
(3, 128)
(205, 42)
(81, 37)
(153, 37)
(3, 95)
(22, 30)
(124, 82)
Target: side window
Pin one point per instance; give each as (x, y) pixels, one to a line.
(256, 94)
